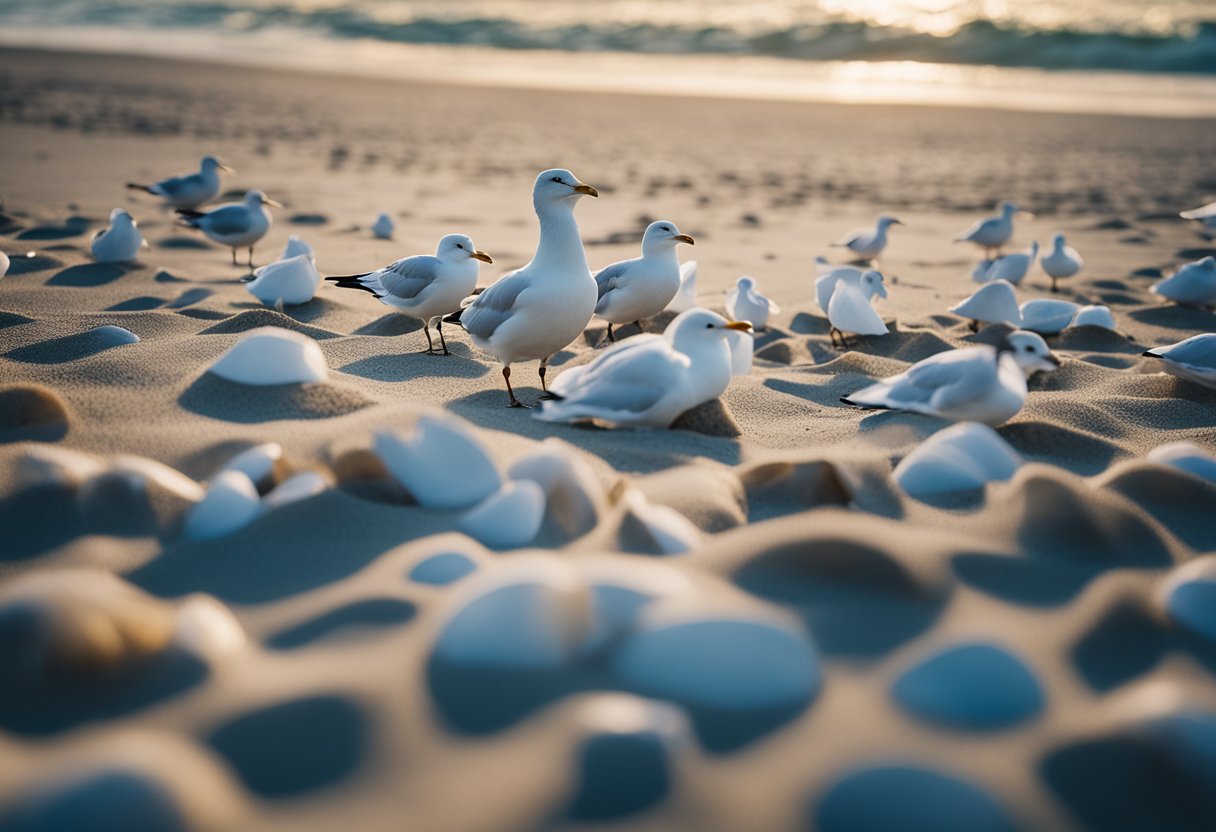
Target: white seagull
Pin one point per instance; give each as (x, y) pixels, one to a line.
(1205, 215)
(642, 287)
(649, 380)
(978, 384)
(1012, 267)
(120, 242)
(869, 245)
(1192, 283)
(1194, 359)
(530, 314)
(686, 295)
(849, 310)
(189, 190)
(826, 284)
(745, 302)
(237, 224)
(288, 281)
(1062, 261)
(425, 286)
(994, 302)
(383, 227)
(992, 232)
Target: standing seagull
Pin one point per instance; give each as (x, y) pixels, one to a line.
(531, 313)
(120, 243)
(993, 232)
(745, 302)
(425, 286)
(869, 245)
(237, 225)
(642, 287)
(190, 190)
(1063, 261)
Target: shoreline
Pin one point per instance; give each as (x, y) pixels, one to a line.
(721, 77)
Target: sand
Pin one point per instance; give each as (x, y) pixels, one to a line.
(338, 713)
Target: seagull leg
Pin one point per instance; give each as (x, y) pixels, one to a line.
(430, 345)
(1054, 287)
(638, 324)
(975, 325)
(234, 257)
(832, 333)
(544, 368)
(506, 376)
(251, 257)
(611, 337)
(442, 342)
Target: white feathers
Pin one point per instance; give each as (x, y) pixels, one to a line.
(746, 302)
(120, 243)
(295, 247)
(1193, 283)
(1047, 316)
(1061, 261)
(509, 518)
(441, 463)
(1011, 267)
(961, 457)
(742, 349)
(1193, 358)
(870, 287)
(1092, 315)
(270, 355)
(850, 311)
(286, 282)
(686, 296)
(994, 302)
(383, 227)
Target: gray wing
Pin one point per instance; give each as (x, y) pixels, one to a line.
(175, 185)
(630, 379)
(406, 278)
(608, 277)
(492, 307)
(229, 219)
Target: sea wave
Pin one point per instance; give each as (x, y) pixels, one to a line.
(1189, 47)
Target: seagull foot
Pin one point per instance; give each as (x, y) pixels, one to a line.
(518, 403)
(549, 397)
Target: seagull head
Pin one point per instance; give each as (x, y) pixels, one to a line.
(1030, 352)
(700, 326)
(886, 221)
(255, 199)
(120, 218)
(213, 163)
(560, 185)
(1057, 242)
(456, 248)
(663, 235)
(745, 283)
(872, 284)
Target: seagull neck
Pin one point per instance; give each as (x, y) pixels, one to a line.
(659, 251)
(560, 246)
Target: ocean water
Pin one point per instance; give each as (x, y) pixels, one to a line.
(1143, 51)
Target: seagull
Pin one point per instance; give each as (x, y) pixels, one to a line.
(746, 303)
(642, 287)
(686, 296)
(383, 227)
(978, 384)
(994, 302)
(237, 224)
(849, 310)
(425, 286)
(120, 242)
(1205, 215)
(1193, 359)
(868, 245)
(649, 380)
(826, 285)
(288, 281)
(1192, 283)
(1012, 267)
(190, 190)
(531, 313)
(993, 232)
(1048, 316)
(1063, 261)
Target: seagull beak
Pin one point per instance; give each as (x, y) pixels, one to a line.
(585, 189)
(271, 202)
(898, 222)
(482, 256)
(226, 169)
(1026, 215)
(739, 326)
(684, 238)
(1053, 358)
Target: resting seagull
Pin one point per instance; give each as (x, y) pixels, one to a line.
(189, 190)
(642, 287)
(649, 380)
(531, 313)
(993, 232)
(425, 286)
(1193, 359)
(869, 245)
(975, 384)
(746, 302)
(237, 225)
(849, 308)
(120, 243)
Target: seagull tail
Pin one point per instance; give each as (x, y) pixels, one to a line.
(1150, 354)
(861, 405)
(454, 318)
(135, 186)
(352, 282)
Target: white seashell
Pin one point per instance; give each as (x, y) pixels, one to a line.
(114, 336)
(286, 282)
(383, 227)
(509, 518)
(270, 355)
(230, 504)
(207, 628)
(4, 264)
(1094, 316)
(1189, 596)
(257, 463)
(1047, 316)
(671, 531)
(442, 463)
(1188, 456)
(300, 487)
(994, 302)
(961, 457)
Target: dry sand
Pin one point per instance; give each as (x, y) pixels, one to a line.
(336, 716)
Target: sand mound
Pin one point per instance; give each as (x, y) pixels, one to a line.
(32, 412)
(219, 398)
(711, 418)
(256, 318)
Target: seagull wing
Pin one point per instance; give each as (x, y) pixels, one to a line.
(406, 278)
(608, 279)
(974, 230)
(621, 384)
(227, 219)
(493, 307)
(175, 185)
(1201, 213)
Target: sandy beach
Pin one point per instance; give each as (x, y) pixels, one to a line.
(340, 711)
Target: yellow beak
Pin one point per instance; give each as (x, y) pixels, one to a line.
(226, 169)
(684, 238)
(740, 326)
(482, 256)
(583, 188)
(271, 202)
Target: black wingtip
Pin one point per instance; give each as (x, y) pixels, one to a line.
(346, 283)
(337, 278)
(454, 318)
(135, 186)
(1150, 354)
(189, 213)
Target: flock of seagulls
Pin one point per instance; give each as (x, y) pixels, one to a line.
(534, 312)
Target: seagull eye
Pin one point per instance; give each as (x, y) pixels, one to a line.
(665, 228)
(458, 245)
(557, 179)
(709, 326)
